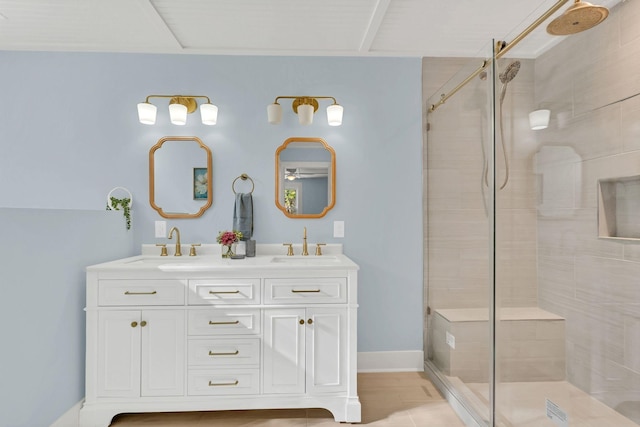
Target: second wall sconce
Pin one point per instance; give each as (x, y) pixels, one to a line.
(179, 107)
(304, 107)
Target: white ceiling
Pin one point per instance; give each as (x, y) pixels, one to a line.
(412, 28)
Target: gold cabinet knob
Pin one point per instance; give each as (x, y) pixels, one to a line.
(134, 324)
(310, 321)
(302, 321)
(143, 323)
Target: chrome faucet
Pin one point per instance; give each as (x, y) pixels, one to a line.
(305, 252)
(178, 249)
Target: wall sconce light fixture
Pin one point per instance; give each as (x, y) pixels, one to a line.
(179, 107)
(539, 119)
(304, 107)
(291, 174)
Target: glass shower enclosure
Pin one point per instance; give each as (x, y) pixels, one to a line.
(532, 231)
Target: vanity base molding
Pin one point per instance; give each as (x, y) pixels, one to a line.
(179, 341)
(101, 414)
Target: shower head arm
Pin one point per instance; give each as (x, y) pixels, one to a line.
(506, 47)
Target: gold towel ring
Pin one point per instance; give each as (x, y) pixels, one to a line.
(243, 177)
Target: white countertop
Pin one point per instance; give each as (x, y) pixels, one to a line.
(209, 259)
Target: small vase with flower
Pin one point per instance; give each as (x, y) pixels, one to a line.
(228, 239)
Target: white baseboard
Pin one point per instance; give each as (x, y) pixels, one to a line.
(69, 418)
(391, 361)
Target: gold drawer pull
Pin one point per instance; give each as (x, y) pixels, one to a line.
(297, 291)
(224, 292)
(140, 293)
(235, 353)
(222, 384)
(235, 322)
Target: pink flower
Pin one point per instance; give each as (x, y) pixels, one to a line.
(228, 237)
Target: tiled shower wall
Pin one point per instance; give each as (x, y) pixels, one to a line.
(594, 134)
(456, 222)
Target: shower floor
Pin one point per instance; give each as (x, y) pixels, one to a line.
(523, 404)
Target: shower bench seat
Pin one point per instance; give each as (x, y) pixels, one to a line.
(530, 344)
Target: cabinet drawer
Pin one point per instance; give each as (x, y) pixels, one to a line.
(224, 322)
(218, 291)
(223, 382)
(310, 291)
(140, 292)
(224, 352)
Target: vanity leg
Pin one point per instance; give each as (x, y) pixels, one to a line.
(95, 417)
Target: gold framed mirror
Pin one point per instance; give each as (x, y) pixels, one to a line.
(305, 177)
(180, 177)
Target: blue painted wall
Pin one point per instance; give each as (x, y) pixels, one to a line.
(43, 256)
(69, 133)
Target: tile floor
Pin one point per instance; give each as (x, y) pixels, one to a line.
(399, 399)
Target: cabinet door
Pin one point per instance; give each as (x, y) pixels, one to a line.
(163, 353)
(326, 350)
(283, 348)
(118, 354)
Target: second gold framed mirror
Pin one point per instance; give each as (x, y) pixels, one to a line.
(305, 177)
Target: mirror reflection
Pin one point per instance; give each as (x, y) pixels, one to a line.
(305, 177)
(180, 177)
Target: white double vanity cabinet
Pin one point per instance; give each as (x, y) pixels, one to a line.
(173, 334)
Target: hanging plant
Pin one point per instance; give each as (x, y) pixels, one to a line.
(125, 204)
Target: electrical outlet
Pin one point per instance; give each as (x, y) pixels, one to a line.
(451, 340)
(338, 228)
(161, 229)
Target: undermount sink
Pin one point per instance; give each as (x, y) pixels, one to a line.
(306, 260)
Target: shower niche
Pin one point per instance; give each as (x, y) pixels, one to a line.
(619, 208)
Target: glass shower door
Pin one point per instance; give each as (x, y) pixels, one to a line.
(459, 163)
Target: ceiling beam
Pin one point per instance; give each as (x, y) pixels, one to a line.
(379, 11)
(148, 7)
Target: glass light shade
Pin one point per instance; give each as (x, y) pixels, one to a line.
(147, 113)
(274, 113)
(209, 114)
(178, 114)
(539, 119)
(334, 114)
(305, 114)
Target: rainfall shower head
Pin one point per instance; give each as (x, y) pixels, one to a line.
(510, 72)
(578, 17)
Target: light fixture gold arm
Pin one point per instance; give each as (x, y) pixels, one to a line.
(305, 100)
(305, 96)
(188, 101)
(501, 49)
